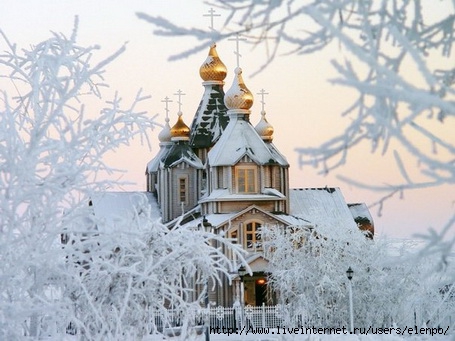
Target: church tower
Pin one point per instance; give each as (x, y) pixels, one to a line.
(151, 171)
(244, 168)
(211, 116)
(179, 174)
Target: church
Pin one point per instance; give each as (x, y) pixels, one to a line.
(224, 173)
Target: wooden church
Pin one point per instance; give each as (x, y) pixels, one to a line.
(225, 174)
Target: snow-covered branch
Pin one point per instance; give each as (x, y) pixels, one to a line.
(62, 267)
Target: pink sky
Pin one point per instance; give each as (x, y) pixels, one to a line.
(302, 106)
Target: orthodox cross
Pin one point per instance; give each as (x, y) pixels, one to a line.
(180, 94)
(211, 15)
(167, 101)
(237, 47)
(262, 93)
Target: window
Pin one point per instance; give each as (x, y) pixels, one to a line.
(252, 236)
(233, 235)
(246, 179)
(182, 190)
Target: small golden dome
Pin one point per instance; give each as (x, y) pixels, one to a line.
(165, 134)
(180, 130)
(213, 68)
(264, 128)
(238, 96)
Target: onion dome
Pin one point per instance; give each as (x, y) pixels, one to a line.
(264, 128)
(213, 68)
(238, 96)
(180, 131)
(165, 134)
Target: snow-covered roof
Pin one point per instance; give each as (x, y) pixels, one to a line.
(154, 164)
(112, 209)
(240, 139)
(225, 195)
(293, 220)
(360, 210)
(211, 117)
(320, 204)
(220, 218)
(283, 218)
(181, 152)
(274, 192)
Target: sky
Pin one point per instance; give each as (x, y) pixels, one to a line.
(302, 105)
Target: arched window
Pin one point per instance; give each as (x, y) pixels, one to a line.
(252, 236)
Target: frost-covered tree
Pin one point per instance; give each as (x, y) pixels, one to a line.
(51, 151)
(53, 145)
(380, 41)
(308, 269)
(129, 277)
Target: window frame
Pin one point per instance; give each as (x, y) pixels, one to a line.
(254, 240)
(250, 185)
(182, 193)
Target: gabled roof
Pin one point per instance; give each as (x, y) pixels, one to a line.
(154, 164)
(210, 119)
(320, 204)
(240, 139)
(220, 219)
(181, 152)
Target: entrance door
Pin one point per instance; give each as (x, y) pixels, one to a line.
(261, 291)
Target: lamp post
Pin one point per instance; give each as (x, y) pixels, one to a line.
(350, 274)
(242, 273)
(207, 332)
(207, 227)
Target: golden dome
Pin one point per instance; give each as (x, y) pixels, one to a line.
(180, 130)
(213, 68)
(264, 128)
(165, 134)
(238, 96)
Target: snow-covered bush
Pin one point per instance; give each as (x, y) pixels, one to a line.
(102, 285)
(308, 268)
(125, 279)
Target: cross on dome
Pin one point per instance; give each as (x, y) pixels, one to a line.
(237, 47)
(180, 93)
(167, 101)
(262, 93)
(211, 15)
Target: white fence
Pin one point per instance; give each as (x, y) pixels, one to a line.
(220, 317)
(274, 317)
(172, 322)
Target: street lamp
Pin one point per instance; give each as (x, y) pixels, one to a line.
(350, 274)
(207, 226)
(242, 274)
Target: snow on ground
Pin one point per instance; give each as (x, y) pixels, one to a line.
(287, 337)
